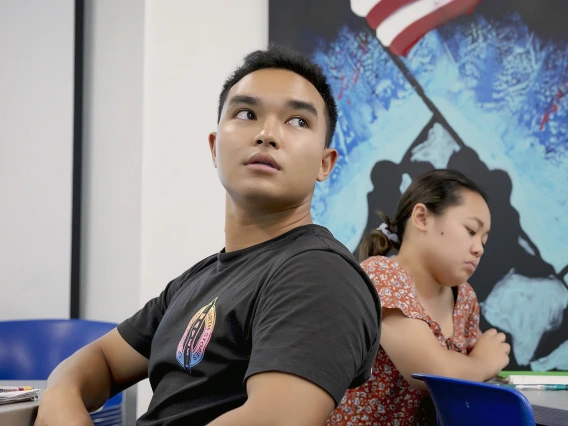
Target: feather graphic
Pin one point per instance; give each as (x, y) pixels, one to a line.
(192, 345)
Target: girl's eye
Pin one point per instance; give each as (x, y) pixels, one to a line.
(471, 231)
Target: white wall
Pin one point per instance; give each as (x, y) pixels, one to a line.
(190, 48)
(153, 205)
(36, 157)
(112, 158)
(112, 163)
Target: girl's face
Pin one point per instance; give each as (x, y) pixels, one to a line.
(456, 239)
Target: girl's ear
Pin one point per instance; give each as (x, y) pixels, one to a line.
(420, 217)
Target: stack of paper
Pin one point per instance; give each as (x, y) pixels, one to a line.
(537, 380)
(18, 396)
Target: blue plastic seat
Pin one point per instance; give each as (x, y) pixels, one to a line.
(465, 403)
(31, 349)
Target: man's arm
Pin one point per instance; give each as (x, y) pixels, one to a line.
(84, 381)
(316, 318)
(412, 348)
(279, 399)
(315, 330)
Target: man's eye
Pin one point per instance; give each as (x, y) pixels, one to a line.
(245, 114)
(298, 122)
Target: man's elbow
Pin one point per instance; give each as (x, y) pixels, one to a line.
(248, 415)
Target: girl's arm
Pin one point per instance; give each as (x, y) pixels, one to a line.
(412, 347)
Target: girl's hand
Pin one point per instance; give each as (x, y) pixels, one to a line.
(493, 351)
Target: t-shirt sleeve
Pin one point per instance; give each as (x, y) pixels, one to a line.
(139, 329)
(395, 288)
(472, 331)
(316, 318)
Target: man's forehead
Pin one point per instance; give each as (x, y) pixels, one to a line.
(276, 83)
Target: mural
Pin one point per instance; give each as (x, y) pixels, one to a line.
(480, 89)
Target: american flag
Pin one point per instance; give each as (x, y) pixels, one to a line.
(401, 23)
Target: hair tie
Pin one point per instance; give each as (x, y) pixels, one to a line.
(384, 228)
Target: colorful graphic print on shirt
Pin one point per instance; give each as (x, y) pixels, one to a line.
(191, 347)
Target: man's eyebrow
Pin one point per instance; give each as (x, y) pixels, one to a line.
(302, 105)
(244, 99)
(295, 104)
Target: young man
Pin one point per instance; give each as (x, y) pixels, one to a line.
(274, 328)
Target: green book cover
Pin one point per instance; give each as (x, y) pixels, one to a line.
(505, 374)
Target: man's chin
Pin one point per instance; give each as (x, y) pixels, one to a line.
(264, 199)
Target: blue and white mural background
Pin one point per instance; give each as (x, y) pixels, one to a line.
(484, 94)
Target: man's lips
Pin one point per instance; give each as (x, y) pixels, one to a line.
(261, 160)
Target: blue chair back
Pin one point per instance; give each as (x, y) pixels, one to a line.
(31, 349)
(465, 403)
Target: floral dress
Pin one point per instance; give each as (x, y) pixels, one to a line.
(387, 398)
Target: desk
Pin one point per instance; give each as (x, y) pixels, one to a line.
(550, 407)
(20, 413)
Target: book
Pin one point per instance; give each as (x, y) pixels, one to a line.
(536, 378)
(9, 397)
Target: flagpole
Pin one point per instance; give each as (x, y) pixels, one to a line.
(422, 94)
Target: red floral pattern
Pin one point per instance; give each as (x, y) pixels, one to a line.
(387, 398)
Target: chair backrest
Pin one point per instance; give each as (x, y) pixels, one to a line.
(31, 349)
(464, 403)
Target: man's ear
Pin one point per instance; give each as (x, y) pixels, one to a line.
(212, 147)
(328, 161)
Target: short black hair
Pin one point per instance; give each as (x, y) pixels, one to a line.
(286, 58)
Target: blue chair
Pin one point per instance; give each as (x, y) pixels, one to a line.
(465, 403)
(31, 349)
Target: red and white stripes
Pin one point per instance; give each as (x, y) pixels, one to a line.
(401, 23)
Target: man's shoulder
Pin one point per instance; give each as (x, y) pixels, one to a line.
(197, 268)
(316, 252)
(317, 239)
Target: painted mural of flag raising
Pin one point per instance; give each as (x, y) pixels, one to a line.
(401, 23)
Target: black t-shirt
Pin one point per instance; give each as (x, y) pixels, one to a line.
(298, 304)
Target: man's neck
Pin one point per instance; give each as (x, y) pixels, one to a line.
(246, 228)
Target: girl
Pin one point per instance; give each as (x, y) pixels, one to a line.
(430, 313)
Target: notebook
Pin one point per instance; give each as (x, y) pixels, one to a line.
(536, 378)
